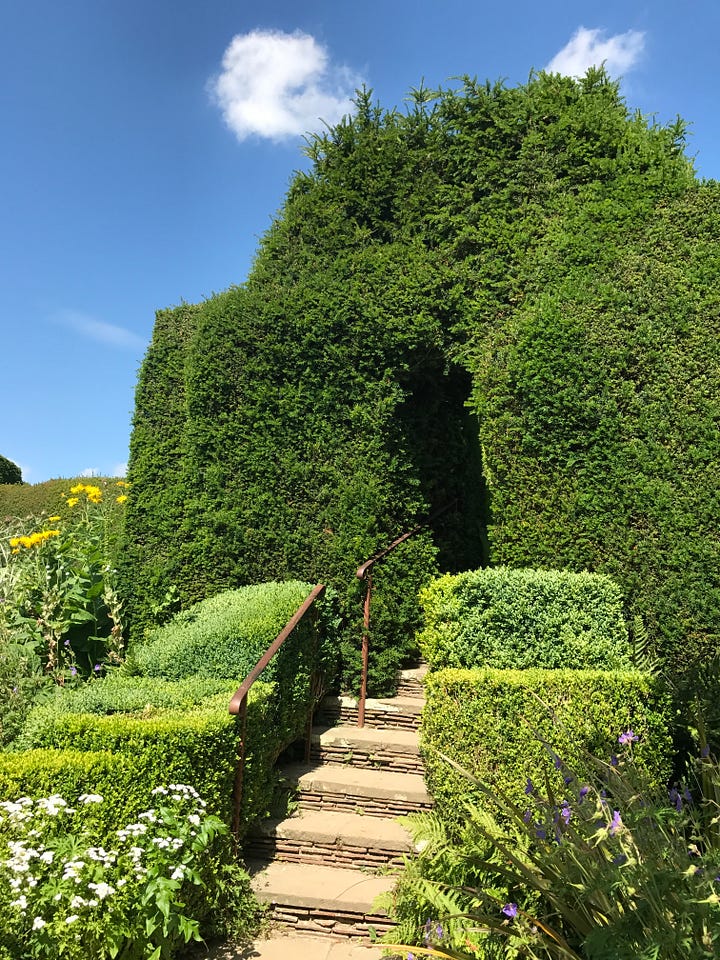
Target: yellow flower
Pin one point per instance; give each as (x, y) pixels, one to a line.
(122, 483)
(15, 541)
(72, 501)
(54, 519)
(16, 550)
(78, 488)
(122, 498)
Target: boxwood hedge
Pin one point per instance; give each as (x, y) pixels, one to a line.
(491, 721)
(507, 618)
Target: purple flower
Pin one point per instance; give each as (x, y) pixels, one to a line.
(527, 816)
(439, 931)
(615, 824)
(675, 799)
(568, 781)
(705, 752)
(97, 668)
(584, 791)
(510, 910)
(627, 738)
(529, 787)
(558, 763)
(565, 813)
(613, 761)
(619, 860)
(541, 833)
(73, 671)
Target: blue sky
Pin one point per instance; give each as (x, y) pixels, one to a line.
(147, 145)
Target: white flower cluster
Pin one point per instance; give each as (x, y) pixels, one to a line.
(55, 878)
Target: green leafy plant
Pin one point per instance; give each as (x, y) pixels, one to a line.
(57, 583)
(594, 865)
(62, 893)
(480, 718)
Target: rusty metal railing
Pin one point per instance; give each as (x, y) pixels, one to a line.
(364, 572)
(238, 704)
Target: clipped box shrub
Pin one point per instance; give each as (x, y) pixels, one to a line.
(196, 747)
(118, 693)
(71, 773)
(225, 635)
(491, 723)
(515, 619)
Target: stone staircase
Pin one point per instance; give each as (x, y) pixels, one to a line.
(321, 868)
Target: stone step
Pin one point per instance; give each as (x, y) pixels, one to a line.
(393, 713)
(367, 747)
(326, 901)
(377, 793)
(410, 682)
(285, 946)
(330, 838)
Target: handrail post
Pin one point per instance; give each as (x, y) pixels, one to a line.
(238, 704)
(365, 650)
(239, 769)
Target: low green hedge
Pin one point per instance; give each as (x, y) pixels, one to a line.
(225, 635)
(515, 619)
(70, 773)
(489, 721)
(118, 693)
(196, 747)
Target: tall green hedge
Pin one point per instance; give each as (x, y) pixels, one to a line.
(492, 723)
(600, 420)
(541, 253)
(515, 619)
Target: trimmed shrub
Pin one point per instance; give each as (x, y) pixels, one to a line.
(70, 772)
(225, 635)
(9, 472)
(193, 743)
(196, 747)
(118, 693)
(515, 619)
(490, 721)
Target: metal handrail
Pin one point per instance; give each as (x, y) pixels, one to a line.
(364, 572)
(238, 704)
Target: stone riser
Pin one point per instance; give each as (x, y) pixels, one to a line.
(349, 804)
(400, 763)
(378, 720)
(306, 920)
(294, 851)
(411, 688)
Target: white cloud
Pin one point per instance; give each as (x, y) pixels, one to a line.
(589, 48)
(119, 470)
(278, 85)
(106, 333)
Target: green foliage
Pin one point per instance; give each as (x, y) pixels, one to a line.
(488, 721)
(598, 404)
(506, 247)
(515, 619)
(119, 693)
(57, 582)
(71, 772)
(170, 745)
(182, 725)
(62, 893)
(600, 867)
(10, 473)
(225, 635)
